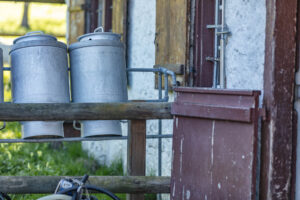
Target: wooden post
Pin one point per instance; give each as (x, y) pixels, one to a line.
(279, 73)
(136, 152)
(76, 20)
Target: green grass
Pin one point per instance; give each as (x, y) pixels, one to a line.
(42, 159)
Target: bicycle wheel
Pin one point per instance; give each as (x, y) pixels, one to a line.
(90, 188)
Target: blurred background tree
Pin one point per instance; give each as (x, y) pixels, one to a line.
(25, 16)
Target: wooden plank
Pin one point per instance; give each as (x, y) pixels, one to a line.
(69, 131)
(119, 18)
(38, 1)
(84, 111)
(171, 33)
(116, 184)
(107, 20)
(224, 151)
(230, 113)
(279, 73)
(76, 20)
(203, 43)
(136, 152)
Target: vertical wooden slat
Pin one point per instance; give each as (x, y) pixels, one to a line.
(171, 32)
(94, 15)
(107, 15)
(76, 20)
(204, 43)
(119, 18)
(69, 131)
(136, 152)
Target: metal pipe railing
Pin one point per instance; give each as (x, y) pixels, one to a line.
(160, 71)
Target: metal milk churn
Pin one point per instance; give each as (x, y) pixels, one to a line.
(39, 69)
(98, 74)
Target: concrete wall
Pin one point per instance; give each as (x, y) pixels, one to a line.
(246, 46)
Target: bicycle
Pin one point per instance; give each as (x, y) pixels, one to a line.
(73, 189)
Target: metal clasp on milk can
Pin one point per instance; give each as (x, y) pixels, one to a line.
(98, 74)
(39, 70)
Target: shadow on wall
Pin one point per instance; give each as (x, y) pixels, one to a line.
(6, 49)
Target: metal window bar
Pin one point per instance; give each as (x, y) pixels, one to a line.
(221, 33)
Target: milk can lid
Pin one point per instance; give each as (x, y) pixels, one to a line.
(34, 36)
(99, 34)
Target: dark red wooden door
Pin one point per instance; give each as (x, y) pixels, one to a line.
(203, 43)
(214, 144)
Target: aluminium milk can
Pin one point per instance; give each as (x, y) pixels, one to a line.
(39, 70)
(98, 74)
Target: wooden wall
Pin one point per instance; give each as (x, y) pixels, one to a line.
(172, 33)
(119, 18)
(75, 20)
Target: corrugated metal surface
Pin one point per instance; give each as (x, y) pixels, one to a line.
(215, 144)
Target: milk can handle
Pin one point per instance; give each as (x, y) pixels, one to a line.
(75, 127)
(34, 33)
(99, 29)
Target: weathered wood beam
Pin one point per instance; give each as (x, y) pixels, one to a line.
(136, 152)
(38, 1)
(116, 184)
(84, 111)
(279, 73)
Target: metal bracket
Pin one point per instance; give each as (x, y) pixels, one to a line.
(220, 30)
(212, 59)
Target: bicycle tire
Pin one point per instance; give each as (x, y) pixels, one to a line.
(90, 188)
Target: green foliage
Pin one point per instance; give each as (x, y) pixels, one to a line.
(49, 26)
(50, 18)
